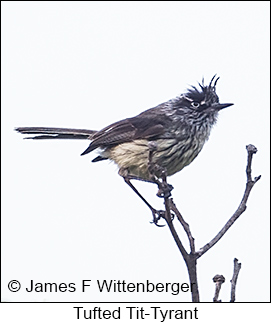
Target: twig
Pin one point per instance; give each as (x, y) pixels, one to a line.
(242, 206)
(170, 224)
(190, 259)
(218, 280)
(236, 269)
(251, 150)
(184, 224)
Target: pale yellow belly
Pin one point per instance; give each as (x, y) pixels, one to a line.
(134, 156)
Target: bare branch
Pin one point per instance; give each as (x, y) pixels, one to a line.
(242, 206)
(251, 150)
(170, 224)
(236, 269)
(176, 238)
(184, 224)
(218, 280)
(190, 259)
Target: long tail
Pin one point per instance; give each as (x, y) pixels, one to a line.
(56, 133)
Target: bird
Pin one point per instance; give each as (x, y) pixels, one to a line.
(156, 143)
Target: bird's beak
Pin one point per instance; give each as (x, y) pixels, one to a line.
(220, 106)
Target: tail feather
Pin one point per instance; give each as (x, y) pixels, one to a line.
(56, 133)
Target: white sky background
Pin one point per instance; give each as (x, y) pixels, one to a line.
(89, 64)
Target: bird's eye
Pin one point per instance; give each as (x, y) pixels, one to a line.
(195, 104)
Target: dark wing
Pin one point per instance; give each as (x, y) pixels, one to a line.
(139, 127)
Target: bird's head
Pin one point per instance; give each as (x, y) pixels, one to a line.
(204, 98)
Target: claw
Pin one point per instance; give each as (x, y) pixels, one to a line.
(158, 225)
(160, 214)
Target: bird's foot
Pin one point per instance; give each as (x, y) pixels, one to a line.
(157, 215)
(164, 190)
(156, 172)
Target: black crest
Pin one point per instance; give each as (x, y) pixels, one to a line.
(204, 92)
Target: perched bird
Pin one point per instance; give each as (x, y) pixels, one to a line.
(159, 141)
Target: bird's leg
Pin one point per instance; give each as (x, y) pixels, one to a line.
(156, 172)
(157, 215)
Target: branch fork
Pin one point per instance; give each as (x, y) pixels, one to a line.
(191, 257)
